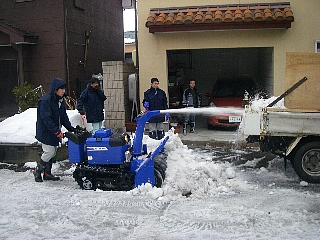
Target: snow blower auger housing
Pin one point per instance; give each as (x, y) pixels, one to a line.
(108, 161)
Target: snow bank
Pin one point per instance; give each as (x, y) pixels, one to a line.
(188, 173)
(21, 128)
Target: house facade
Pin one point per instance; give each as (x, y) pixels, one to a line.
(69, 39)
(207, 40)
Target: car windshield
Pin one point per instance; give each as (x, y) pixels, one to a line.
(234, 88)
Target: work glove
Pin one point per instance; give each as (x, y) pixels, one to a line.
(167, 116)
(146, 105)
(72, 129)
(79, 129)
(82, 112)
(60, 135)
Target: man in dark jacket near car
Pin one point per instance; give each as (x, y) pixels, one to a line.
(191, 99)
(156, 99)
(90, 103)
(51, 116)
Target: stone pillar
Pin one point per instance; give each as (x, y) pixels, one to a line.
(115, 86)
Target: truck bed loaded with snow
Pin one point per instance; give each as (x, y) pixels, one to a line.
(293, 131)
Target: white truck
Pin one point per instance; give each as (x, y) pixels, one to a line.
(292, 134)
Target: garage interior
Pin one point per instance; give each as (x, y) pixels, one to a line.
(208, 65)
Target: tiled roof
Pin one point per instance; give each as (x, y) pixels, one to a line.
(220, 17)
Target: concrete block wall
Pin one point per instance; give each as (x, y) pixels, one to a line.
(115, 86)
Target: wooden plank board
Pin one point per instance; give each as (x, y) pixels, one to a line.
(306, 96)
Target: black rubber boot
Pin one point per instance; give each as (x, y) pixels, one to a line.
(153, 134)
(47, 172)
(192, 125)
(41, 165)
(160, 134)
(185, 128)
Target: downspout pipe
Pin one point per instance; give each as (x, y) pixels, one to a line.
(136, 35)
(65, 12)
(137, 49)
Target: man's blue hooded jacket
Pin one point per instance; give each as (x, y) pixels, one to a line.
(51, 115)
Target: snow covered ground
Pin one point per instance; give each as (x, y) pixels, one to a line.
(227, 201)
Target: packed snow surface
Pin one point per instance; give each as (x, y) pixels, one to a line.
(200, 199)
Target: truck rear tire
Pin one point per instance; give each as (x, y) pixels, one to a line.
(306, 162)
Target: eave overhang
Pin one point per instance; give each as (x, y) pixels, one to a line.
(17, 35)
(220, 17)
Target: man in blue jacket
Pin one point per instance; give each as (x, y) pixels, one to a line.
(51, 116)
(90, 103)
(156, 99)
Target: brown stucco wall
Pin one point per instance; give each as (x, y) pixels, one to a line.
(58, 52)
(104, 20)
(152, 47)
(45, 19)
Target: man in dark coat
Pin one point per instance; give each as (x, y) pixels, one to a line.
(191, 99)
(156, 99)
(51, 116)
(90, 103)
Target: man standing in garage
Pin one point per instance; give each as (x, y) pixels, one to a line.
(156, 99)
(191, 99)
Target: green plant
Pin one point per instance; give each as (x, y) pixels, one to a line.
(27, 96)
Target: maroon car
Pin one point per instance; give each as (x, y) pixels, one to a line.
(228, 92)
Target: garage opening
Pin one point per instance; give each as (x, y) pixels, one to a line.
(206, 66)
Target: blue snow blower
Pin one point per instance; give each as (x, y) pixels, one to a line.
(108, 161)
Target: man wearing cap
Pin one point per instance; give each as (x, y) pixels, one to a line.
(90, 103)
(51, 116)
(156, 99)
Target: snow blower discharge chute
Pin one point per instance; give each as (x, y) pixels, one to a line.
(108, 161)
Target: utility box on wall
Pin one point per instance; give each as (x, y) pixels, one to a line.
(132, 87)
